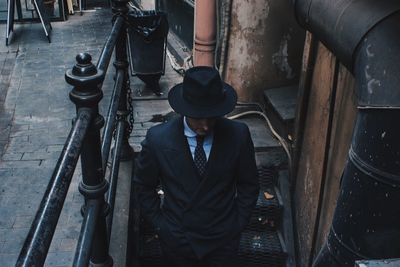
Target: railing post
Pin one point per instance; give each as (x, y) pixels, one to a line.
(86, 78)
(120, 8)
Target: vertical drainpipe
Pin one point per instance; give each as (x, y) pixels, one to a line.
(205, 33)
(363, 34)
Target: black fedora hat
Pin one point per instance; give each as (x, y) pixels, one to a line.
(202, 94)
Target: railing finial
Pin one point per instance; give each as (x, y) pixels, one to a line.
(84, 66)
(85, 78)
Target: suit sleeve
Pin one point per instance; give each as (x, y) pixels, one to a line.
(247, 180)
(146, 180)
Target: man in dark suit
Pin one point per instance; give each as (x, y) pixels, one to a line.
(206, 167)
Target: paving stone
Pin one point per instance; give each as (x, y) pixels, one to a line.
(23, 221)
(15, 234)
(20, 164)
(67, 244)
(12, 246)
(12, 156)
(6, 222)
(55, 148)
(25, 147)
(8, 260)
(55, 243)
(58, 259)
(5, 132)
(3, 233)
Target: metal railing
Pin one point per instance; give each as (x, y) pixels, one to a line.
(85, 140)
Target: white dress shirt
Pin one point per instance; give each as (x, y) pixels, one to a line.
(191, 138)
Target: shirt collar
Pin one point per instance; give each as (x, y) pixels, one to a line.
(186, 129)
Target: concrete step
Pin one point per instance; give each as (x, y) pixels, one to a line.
(281, 108)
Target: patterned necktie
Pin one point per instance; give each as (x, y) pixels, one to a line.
(200, 158)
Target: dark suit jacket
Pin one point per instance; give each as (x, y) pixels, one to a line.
(203, 213)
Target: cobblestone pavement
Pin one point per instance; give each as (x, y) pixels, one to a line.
(35, 118)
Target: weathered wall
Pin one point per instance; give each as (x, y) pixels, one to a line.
(311, 164)
(265, 47)
(323, 133)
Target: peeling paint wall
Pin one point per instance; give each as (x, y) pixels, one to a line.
(265, 47)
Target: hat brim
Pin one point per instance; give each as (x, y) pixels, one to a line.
(181, 106)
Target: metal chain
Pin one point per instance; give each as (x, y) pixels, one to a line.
(131, 120)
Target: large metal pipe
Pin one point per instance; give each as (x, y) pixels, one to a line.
(364, 36)
(342, 24)
(205, 33)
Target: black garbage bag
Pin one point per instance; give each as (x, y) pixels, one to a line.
(149, 25)
(147, 33)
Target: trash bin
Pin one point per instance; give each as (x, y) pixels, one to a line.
(49, 7)
(147, 39)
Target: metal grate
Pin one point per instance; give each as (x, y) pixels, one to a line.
(261, 249)
(256, 249)
(267, 213)
(267, 177)
(150, 247)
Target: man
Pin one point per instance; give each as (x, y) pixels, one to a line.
(206, 167)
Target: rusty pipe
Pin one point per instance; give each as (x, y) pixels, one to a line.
(205, 33)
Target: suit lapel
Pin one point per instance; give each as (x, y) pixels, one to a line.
(179, 158)
(213, 160)
(212, 164)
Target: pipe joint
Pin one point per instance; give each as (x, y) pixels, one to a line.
(335, 25)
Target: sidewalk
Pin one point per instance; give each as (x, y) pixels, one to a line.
(35, 118)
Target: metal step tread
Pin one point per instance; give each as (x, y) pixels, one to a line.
(261, 249)
(283, 101)
(255, 249)
(267, 214)
(281, 108)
